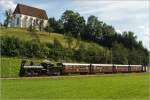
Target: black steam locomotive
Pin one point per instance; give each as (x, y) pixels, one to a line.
(46, 68)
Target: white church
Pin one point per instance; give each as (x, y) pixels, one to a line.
(24, 16)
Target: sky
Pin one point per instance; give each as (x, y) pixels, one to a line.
(124, 15)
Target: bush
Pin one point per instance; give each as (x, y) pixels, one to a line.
(31, 29)
(32, 48)
(10, 46)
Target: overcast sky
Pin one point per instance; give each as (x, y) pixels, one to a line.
(124, 15)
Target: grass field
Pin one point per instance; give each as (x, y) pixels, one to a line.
(10, 66)
(117, 87)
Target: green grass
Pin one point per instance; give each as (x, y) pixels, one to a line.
(23, 34)
(10, 66)
(117, 87)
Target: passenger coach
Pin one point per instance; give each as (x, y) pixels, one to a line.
(76, 68)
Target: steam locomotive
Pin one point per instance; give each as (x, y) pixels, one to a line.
(47, 68)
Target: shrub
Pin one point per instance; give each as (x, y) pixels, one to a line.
(57, 43)
(31, 29)
(10, 46)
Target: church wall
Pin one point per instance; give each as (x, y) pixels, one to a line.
(25, 21)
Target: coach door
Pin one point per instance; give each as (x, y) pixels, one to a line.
(91, 69)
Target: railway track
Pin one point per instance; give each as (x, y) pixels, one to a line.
(70, 76)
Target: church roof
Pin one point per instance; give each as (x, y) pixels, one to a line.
(31, 11)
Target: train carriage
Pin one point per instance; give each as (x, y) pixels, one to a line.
(122, 68)
(102, 68)
(75, 68)
(136, 68)
(108, 68)
(97, 68)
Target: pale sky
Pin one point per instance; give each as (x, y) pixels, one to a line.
(124, 15)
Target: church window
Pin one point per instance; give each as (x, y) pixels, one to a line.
(17, 21)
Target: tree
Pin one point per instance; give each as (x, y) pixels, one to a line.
(60, 27)
(55, 25)
(49, 29)
(108, 29)
(8, 15)
(137, 56)
(94, 26)
(129, 39)
(41, 25)
(99, 32)
(52, 24)
(73, 23)
(119, 54)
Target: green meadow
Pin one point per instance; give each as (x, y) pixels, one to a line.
(10, 66)
(102, 87)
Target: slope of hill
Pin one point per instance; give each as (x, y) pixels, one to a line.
(10, 65)
(23, 34)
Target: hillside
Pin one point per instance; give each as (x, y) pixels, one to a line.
(23, 34)
(10, 65)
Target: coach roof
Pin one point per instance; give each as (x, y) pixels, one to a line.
(75, 64)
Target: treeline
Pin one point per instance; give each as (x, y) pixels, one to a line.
(12, 46)
(74, 25)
